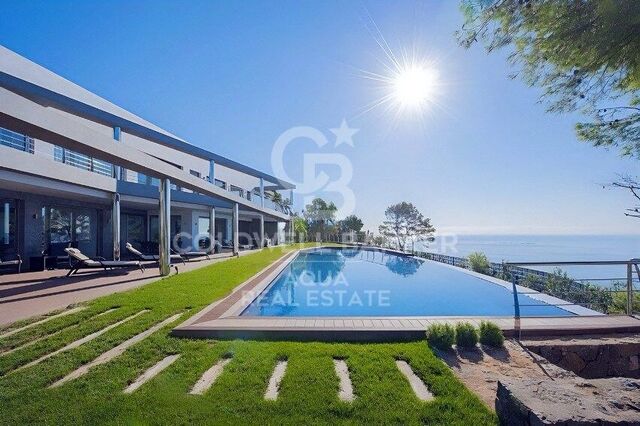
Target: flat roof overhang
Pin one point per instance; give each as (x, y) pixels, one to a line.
(26, 116)
(48, 97)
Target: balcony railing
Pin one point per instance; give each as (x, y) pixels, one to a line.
(82, 161)
(25, 143)
(16, 141)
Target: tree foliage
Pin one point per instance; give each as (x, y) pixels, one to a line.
(404, 223)
(320, 217)
(351, 223)
(585, 55)
(300, 228)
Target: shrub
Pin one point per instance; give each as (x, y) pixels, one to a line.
(478, 262)
(534, 282)
(441, 336)
(490, 334)
(466, 335)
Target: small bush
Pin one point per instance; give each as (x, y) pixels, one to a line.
(490, 334)
(441, 336)
(466, 335)
(478, 262)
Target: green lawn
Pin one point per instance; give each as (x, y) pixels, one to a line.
(308, 393)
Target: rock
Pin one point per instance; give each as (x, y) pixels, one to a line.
(614, 401)
(572, 362)
(634, 363)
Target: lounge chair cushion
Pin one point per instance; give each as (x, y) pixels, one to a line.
(119, 263)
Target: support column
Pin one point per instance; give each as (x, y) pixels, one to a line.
(236, 227)
(212, 228)
(291, 232)
(212, 171)
(164, 216)
(115, 225)
(261, 243)
(262, 192)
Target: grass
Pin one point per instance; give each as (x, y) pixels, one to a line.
(309, 389)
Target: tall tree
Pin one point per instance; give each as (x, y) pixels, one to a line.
(585, 55)
(404, 223)
(300, 228)
(320, 216)
(351, 223)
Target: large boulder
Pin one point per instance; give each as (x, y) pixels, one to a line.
(570, 401)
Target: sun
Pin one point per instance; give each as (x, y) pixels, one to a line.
(414, 86)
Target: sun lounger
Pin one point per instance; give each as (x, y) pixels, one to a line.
(151, 257)
(192, 254)
(84, 262)
(12, 263)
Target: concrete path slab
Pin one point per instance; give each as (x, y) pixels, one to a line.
(209, 377)
(418, 386)
(151, 373)
(345, 392)
(114, 352)
(81, 341)
(273, 388)
(34, 341)
(42, 321)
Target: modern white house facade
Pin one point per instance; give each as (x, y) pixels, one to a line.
(77, 170)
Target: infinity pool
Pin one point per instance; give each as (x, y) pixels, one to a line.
(353, 282)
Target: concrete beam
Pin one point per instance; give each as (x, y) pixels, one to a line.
(25, 116)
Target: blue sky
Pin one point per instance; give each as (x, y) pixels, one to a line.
(233, 76)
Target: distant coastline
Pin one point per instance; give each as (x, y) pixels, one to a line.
(542, 248)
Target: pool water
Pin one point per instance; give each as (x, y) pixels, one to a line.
(356, 282)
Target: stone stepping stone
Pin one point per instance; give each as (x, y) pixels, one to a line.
(34, 341)
(274, 382)
(42, 321)
(114, 352)
(151, 373)
(345, 392)
(82, 341)
(418, 386)
(39, 339)
(209, 377)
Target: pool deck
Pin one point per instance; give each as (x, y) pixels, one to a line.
(222, 319)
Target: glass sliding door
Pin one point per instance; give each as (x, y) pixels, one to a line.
(154, 229)
(8, 225)
(73, 226)
(133, 229)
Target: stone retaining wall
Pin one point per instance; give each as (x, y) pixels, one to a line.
(593, 358)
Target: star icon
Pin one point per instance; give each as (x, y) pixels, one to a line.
(344, 134)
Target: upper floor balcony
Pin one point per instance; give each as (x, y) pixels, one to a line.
(71, 158)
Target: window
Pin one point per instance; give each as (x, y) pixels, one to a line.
(154, 227)
(7, 222)
(83, 227)
(59, 225)
(194, 173)
(203, 224)
(133, 230)
(71, 225)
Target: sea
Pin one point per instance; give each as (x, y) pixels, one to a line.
(548, 248)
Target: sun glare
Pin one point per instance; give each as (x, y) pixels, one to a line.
(414, 86)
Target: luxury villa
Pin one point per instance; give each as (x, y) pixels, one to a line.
(78, 171)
